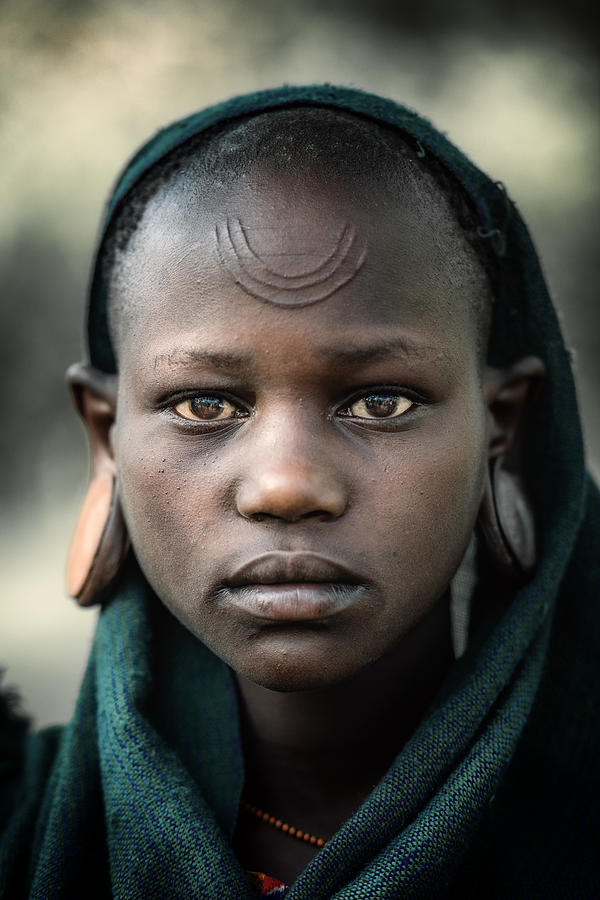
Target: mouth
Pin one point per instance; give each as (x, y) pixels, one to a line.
(292, 587)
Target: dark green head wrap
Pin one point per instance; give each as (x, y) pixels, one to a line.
(496, 793)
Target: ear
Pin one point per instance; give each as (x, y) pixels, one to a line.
(100, 542)
(506, 520)
(95, 398)
(507, 393)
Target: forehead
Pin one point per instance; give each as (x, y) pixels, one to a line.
(297, 253)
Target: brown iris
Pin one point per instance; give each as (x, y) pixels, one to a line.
(380, 406)
(205, 408)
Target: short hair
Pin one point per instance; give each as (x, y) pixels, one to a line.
(319, 140)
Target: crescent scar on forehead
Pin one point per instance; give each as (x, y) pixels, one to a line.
(292, 288)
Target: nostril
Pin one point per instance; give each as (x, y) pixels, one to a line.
(317, 515)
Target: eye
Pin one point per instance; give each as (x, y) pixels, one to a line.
(207, 408)
(378, 405)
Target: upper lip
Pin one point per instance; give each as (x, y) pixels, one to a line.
(280, 567)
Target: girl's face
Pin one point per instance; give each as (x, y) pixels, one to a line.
(301, 431)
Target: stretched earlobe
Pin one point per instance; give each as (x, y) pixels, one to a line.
(506, 522)
(100, 542)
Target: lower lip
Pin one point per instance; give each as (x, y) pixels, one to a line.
(301, 602)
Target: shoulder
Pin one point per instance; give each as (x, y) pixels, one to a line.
(14, 728)
(26, 761)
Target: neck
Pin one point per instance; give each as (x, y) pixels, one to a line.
(326, 749)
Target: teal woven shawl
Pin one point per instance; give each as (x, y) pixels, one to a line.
(493, 795)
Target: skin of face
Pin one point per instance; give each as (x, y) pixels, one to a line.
(353, 430)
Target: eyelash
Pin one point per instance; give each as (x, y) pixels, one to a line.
(380, 391)
(243, 412)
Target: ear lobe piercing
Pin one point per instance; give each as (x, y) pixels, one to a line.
(506, 522)
(100, 542)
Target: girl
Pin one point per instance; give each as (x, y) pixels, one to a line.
(340, 527)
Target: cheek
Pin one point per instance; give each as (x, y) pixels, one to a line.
(428, 509)
(451, 479)
(172, 507)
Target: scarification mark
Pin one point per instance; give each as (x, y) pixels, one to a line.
(239, 239)
(249, 270)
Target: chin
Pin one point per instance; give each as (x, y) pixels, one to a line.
(292, 666)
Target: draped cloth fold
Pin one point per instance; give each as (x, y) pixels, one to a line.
(110, 809)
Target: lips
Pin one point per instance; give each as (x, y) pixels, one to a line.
(292, 587)
(292, 568)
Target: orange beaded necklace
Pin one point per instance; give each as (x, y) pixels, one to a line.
(283, 826)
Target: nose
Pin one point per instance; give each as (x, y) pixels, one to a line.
(290, 481)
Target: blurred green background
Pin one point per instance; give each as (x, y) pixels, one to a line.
(82, 84)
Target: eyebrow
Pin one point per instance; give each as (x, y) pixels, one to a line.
(218, 360)
(340, 355)
(402, 346)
